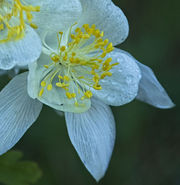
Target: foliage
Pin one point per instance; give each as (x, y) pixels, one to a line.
(15, 171)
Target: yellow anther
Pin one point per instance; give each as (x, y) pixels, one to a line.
(46, 66)
(68, 94)
(99, 44)
(102, 34)
(115, 64)
(83, 97)
(86, 26)
(76, 104)
(89, 31)
(72, 60)
(103, 75)
(65, 57)
(41, 92)
(55, 58)
(109, 48)
(73, 95)
(80, 35)
(95, 66)
(77, 40)
(73, 54)
(59, 84)
(106, 41)
(43, 84)
(66, 78)
(97, 87)
(99, 40)
(37, 9)
(60, 77)
(73, 36)
(34, 26)
(107, 61)
(1, 26)
(96, 78)
(97, 33)
(65, 85)
(103, 55)
(106, 67)
(88, 94)
(93, 26)
(93, 72)
(49, 87)
(63, 48)
(77, 30)
(29, 16)
(99, 60)
(86, 36)
(109, 45)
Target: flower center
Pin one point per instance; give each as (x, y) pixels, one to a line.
(12, 18)
(82, 62)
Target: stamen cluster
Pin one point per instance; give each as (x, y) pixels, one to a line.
(82, 61)
(12, 17)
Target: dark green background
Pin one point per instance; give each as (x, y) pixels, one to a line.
(147, 149)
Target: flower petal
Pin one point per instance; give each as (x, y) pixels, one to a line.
(56, 98)
(21, 52)
(57, 14)
(93, 134)
(17, 112)
(151, 91)
(122, 86)
(107, 17)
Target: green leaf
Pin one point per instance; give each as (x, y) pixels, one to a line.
(15, 171)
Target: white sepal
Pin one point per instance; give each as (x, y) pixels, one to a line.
(17, 112)
(93, 134)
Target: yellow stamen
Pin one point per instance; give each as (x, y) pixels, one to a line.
(68, 94)
(9, 10)
(81, 62)
(88, 94)
(49, 87)
(41, 92)
(43, 84)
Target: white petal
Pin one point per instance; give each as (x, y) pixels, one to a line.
(56, 98)
(17, 112)
(21, 52)
(122, 86)
(151, 91)
(107, 17)
(93, 134)
(56, 15)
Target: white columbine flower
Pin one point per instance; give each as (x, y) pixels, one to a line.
(81, 74)
(19, 43)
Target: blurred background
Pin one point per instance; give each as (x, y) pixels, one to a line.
(147, 148)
